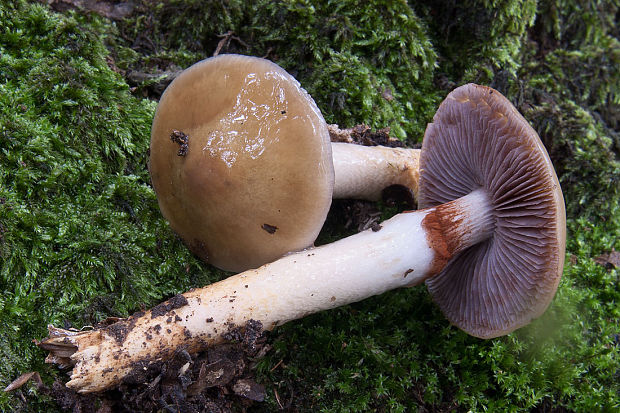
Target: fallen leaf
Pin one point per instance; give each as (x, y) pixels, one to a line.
(609, 260)
(249, 389)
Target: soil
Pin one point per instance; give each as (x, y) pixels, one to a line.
(164, 308)
(217, 380)
(363, 135)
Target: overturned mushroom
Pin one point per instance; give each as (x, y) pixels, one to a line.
(490, 245)
(241, 162)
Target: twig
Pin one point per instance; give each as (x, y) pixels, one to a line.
(276, 366)
(278, 399)
(226, 38)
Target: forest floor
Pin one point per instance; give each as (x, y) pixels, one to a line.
(82, 238)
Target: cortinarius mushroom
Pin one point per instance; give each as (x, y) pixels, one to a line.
(490, 245)
(478, 143)
(241, 162)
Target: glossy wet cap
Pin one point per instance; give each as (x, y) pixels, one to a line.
(479, 140)
(240, 159)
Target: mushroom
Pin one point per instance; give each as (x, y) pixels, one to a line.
(489, 244)
(241, 162)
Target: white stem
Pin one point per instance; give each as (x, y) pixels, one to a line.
(403, 252)
(362, 172)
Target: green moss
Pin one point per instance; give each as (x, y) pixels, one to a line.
(176, 32)
(569, 88)
(369, 62)
(363, 63)
(81, 237)
(81, 234)
(476, 38)
(395, 352)
(580, 47)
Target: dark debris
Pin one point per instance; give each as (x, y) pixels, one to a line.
(363, 135)
(217, 380)
(115, 10)
(271, 229)
(175, 302)
(362, 215)
(182, 139)
(609, 260)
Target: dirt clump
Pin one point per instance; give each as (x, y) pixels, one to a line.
(219, 379)
(363, 135)
(175, 302)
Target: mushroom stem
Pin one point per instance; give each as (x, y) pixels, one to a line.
(363, 172)
(408, 249)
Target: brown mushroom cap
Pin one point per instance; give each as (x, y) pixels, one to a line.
(256, 177)
(479, 140)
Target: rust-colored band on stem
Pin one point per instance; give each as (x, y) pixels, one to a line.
(441, 237)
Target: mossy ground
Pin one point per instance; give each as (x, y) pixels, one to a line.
(81, 236)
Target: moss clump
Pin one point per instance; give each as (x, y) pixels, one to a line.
(476, 38)
(363, 63)
(81, 237)
(369, 62)
(570, 86)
